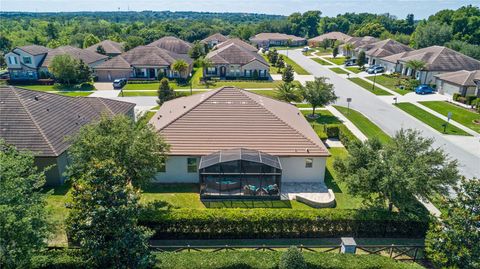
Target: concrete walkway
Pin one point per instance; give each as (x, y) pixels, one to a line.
(347, 123)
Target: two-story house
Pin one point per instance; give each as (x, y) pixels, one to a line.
(24, 62)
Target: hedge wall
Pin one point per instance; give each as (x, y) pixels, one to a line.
(279, 223)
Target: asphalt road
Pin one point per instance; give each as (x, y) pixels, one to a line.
(390, 119)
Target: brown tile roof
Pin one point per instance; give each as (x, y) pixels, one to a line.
(215, 37)
(88, 57)
(172, 44)
(229, 118)
(331, 36)
(237, 42)
(110, 47)
(40, 122)
(360, 41)
(384, 48)
(234, 54)
(438, 58)
(462, 77)
(34, 49)
(144, 56)
(275, 36)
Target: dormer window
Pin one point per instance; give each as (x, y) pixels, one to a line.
(27, 60)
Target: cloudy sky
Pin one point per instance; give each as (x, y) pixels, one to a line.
(400, 8)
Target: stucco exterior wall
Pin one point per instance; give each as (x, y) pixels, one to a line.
(55, 175)
(294, 170)
(176, 171)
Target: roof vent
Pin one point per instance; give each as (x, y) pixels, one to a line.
(308, 151)
(48, 109)
(184, 106)
(36, 98)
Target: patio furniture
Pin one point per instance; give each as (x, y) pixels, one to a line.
(250, 190)
(271, 189)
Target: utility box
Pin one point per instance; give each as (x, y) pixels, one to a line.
(348, 245)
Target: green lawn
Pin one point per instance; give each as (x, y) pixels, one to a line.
(303, 105)
(429, 119)
(368, 86)
(321, 61)
(75, 93)
(368, 128)
(246, 84)
(339, 70)
(57, 87)
(273, 69)
(389, 82)
(152, 93)
(298, 69)
(354, 69)
(268, 93)
(337, 61)
(459, 114)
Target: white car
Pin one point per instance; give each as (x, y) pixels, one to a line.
(305, 49)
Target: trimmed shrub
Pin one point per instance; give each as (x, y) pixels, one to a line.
(260, 223)
(346, 136)
(462, 99)
(332, 130)
(455, 96)
(292, 259)
(469, 99)
(61, 259)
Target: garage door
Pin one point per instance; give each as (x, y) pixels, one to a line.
(450, 89)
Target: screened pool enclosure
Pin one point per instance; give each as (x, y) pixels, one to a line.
(240, 173)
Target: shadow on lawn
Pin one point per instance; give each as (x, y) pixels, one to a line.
(248, 204)
(171, 188)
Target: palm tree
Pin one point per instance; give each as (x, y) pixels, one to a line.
(416, 65)
(348, 48)
(205, 64)
(181, 67)
(288, 92)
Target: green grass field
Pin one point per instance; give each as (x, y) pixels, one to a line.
(303, 105)
(389, 82)
(337, 61)
(368, 128)
(246, 84)
(339, 70)
(459, 114)
(321, 61)
(57, 87)
(429, 119)
(354, 69)
(298, 69)
(74, 93)
(368, 86)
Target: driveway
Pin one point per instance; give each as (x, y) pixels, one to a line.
(390, 119)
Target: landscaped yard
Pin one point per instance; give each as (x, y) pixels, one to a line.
(368, 128)
(337, 60)
(389, 82)
(459, 114)
(58, 87)
(298, 69)
(339, 70)
(303, 105)
(429, 119)
(74, 93)
(354, 69)
(321, 61)
(368, 86)
(246, 84)
(152, 93)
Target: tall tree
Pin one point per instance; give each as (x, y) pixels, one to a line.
(135, 148)
(52, 31)
(374, 29)
(90, 40)
(431, 33)
(398, 171)
(197, 51)
(64, 68)
(103, 218)
(5, 44)
(361, 59)
(132, 42)
(453, 242)
(335, 52)
(288, 75)
(24, 225)
(288, 92)
(348, 48)
(165, 92)
(319, 93)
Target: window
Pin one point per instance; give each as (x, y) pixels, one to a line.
(211, 70)
(12, 60)
(247, 73)
(308, 162)
(192, 165)
(27, 60)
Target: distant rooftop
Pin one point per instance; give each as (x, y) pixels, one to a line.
(172, 44)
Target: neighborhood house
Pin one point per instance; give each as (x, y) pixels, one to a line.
(332, 36)
(380, 49)
(266, 40)
(213, 40)
(110, 48)
(172, 44)
(461, 82)
(238, 144)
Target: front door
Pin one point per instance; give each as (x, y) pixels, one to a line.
(223, 71)
(151, 73)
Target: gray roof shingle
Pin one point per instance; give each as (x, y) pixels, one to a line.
(88, 57)
(172, 44)
(34, 49)
(234, 54)
(110, 47)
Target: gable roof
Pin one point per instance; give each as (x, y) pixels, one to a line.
(331, 36)
(275, 36)
(462, 77)
(215, 37)
(110, 47)
(172, 44)
(88, 57)
(238, 42)
(384, 48)
(229, 118)
(144, 56)
(438, 58)
(33, 49)
(360, 41)
(40, 122)
(234, 54)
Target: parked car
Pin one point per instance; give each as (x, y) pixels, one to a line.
(305, 49)
(374, 69)
(119, 83)
(351, 62)
(424, 89)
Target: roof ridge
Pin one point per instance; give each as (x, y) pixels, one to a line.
(104, 104)
(261, 96)
(33, 120)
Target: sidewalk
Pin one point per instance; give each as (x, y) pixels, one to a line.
(347, 123)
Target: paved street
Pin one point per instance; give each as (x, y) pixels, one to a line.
(465, 149)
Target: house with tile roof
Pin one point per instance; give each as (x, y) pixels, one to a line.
(110, 47)
(236, 41)
(438, 60)
(173, 44)
(238, 144)
(40, 122)
(357, 42)
(213, 40)
(377, 50)
(266, 40)
(143, 62)
(332, 36)
(462, 82)
(31, 62)
(233, 60)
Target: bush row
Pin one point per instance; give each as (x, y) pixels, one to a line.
(279, 223)
(339, 131)
(468, 100)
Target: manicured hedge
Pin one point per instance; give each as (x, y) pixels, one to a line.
(58, 259)
(269, 260)
(279, 223)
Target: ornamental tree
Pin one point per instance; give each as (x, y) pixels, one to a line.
(318, 93)
(134, 147)
(361, 59)
(288, 75)
(398, 171)
(24, 224)
(165, 92)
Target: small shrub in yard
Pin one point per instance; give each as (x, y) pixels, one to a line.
(462, 99)
(332, 130)
(455, 96)
(469, 99)
(292, 259)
